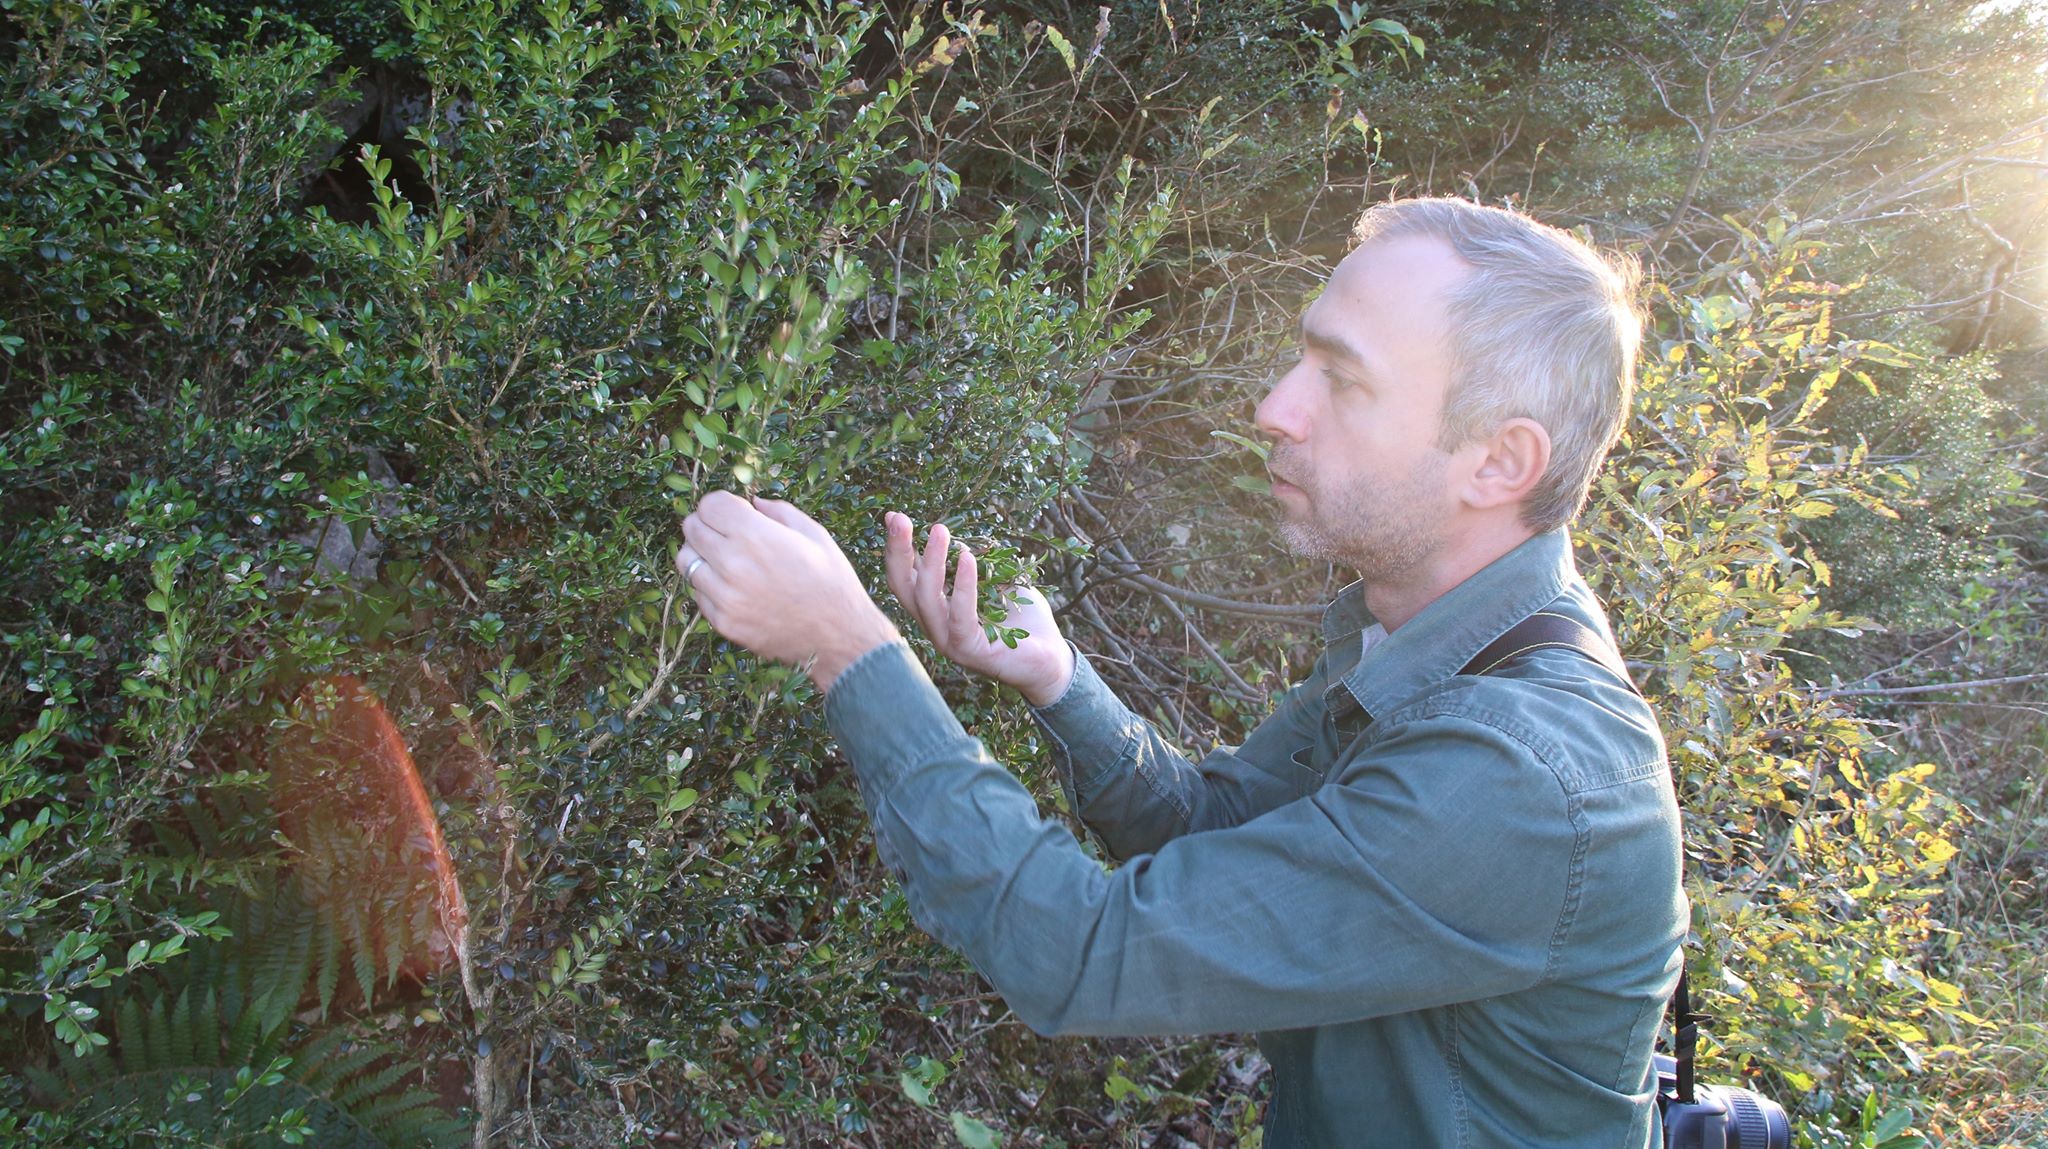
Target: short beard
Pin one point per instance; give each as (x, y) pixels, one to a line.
(1381, 530)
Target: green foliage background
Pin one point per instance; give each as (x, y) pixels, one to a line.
(390, 341)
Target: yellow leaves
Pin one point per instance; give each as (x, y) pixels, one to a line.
(1822, 574)
(1904, 1031)
(1215, 149)
(945, 49)
(1077, 66)
(1756, 460)
(1801, 614)
(1817, 394)
(1812, 509)
(1063, 46)
(1937, 850)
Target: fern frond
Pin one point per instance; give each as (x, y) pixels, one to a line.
(365, 1088)
(329, 968)
(331, 1059)
(246, 1035)
(365, 969)
(408, 1117)
(156, 1034)
(128, 1022)
(205, 1024)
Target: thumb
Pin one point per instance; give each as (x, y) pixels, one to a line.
(789, 516)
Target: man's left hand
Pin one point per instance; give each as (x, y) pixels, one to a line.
(769, 578)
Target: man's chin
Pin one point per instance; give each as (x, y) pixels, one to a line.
(1303, 540)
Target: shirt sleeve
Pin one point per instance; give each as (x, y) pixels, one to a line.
(1137, 792)
(1437, 868)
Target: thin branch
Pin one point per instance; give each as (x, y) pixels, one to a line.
(1222, 605)
(1931, 687)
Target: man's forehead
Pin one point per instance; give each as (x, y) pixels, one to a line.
(1400, 280)
(1399, 269)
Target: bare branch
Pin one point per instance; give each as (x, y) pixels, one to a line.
(1931, 687)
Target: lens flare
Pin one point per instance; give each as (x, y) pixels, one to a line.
(350, 799)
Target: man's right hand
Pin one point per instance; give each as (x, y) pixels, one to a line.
(1041, 664)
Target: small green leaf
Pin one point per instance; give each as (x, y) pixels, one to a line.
(973, 1134)
(1891, 1125)
(1253, 445)
(1062, 46)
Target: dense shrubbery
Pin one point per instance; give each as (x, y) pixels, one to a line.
(442, 449)
(281, 414)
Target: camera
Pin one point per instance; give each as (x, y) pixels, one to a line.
(1718, 1116)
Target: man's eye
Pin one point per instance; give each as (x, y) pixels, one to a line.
(1340, 382)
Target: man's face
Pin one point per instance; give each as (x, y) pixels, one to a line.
(1353, 425)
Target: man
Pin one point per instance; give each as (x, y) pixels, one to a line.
(1447, 901)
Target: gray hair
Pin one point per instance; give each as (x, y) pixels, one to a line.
(1544, 327)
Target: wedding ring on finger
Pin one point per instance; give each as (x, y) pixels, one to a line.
(690, 572)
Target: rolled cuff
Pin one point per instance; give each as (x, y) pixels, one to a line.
(1090, 726)
(887, 714)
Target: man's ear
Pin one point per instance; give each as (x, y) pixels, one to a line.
(1516, 455)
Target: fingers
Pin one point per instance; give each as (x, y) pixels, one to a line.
(899, 557)
(703, 539)
(705, 583)
(964, 608)
(724, 512)
(790, 516)
(930, 588)
(918, 579)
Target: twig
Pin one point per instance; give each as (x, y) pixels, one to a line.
(456, 573)
(1173, 608)
(1224, 605)
(668, 658)
(1931, 687)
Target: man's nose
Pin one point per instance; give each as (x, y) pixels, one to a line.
(1283, 414)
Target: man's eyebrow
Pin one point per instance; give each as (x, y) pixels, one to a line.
(1331, 345)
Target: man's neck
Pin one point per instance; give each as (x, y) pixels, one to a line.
(1395, 601)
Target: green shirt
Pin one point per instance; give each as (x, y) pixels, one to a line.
(1448, 905)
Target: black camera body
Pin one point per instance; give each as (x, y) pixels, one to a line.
(1718, 1116)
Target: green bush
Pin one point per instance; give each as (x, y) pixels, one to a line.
(620, 262)
(1813, 859)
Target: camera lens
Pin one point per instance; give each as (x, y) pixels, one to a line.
(1755, 1122)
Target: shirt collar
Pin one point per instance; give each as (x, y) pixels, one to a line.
(1439, 641)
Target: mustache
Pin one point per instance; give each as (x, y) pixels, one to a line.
(1280, 464)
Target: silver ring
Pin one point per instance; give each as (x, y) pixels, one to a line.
(690, 572)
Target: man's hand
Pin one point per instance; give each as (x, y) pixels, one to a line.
(1039, 666)
(769, 578)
